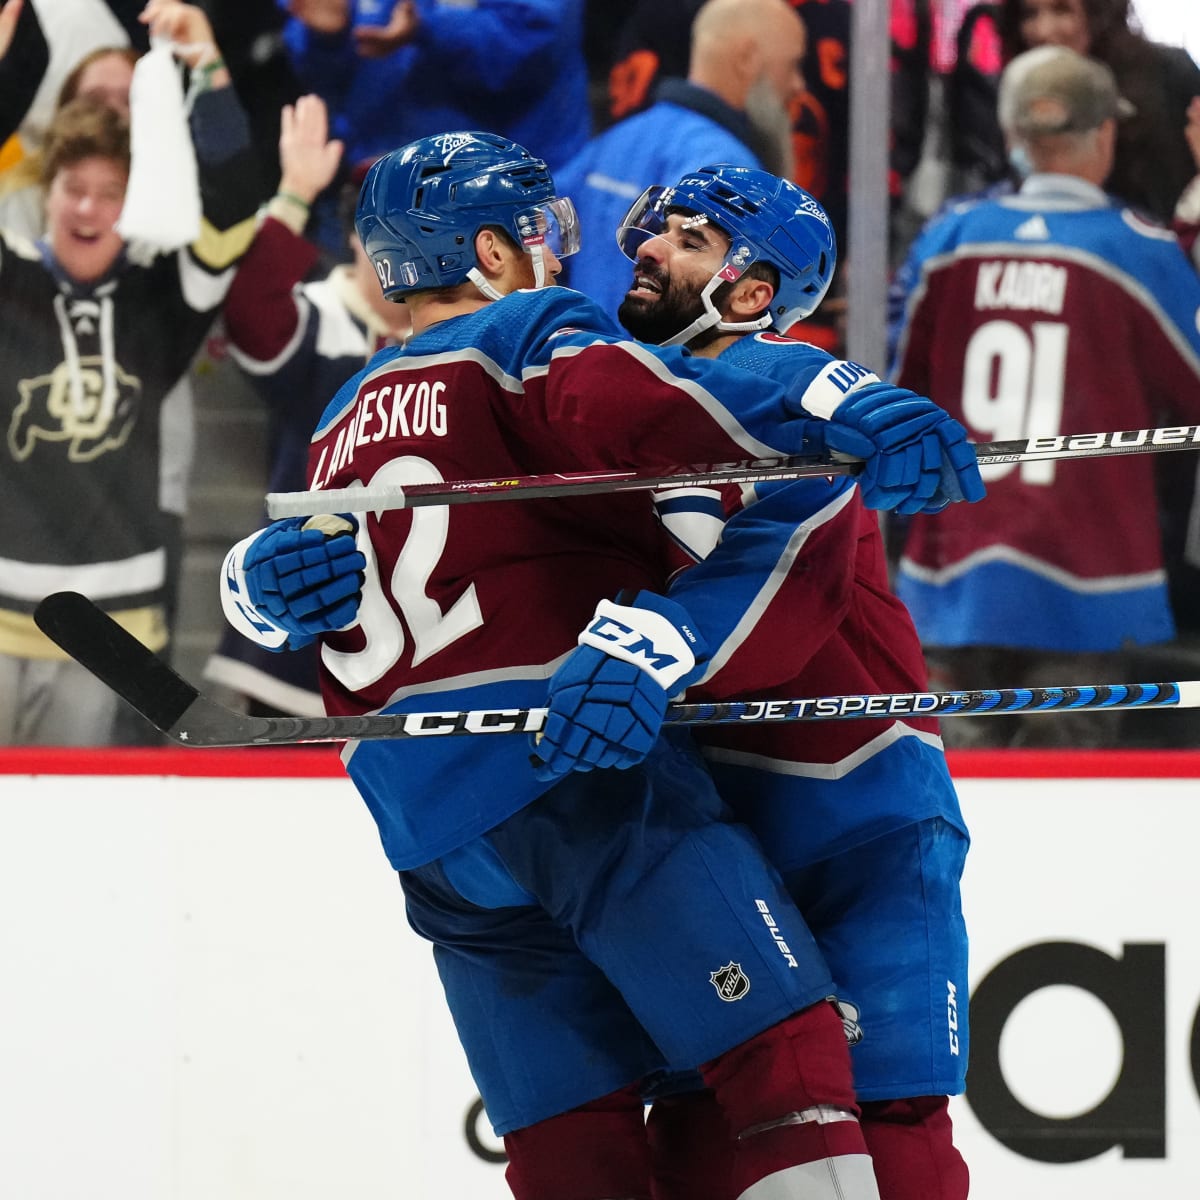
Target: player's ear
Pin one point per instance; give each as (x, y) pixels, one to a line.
(748, 298)
(491, 252)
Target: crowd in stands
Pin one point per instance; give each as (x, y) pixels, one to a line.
(274, 110)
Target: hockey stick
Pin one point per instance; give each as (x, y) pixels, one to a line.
(174, 707)
(523, 487)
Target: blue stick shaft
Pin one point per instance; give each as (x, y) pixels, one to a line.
(171, 704)
(942, 704)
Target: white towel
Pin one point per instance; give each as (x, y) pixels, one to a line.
(162, 202)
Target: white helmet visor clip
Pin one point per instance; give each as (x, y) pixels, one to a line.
(552, 225)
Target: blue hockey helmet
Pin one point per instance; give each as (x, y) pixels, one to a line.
(421, 206)
(768, 219)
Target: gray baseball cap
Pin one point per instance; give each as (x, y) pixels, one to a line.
(1052, 90)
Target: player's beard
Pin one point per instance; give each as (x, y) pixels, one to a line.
(773, 124)
(656, 318)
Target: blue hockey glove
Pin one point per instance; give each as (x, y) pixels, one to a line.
(922, 459)
(916, 456)
(295, 579)
(608, 699)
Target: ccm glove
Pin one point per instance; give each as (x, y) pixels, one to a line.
(916, 456)
(607, 701)
(295, 579)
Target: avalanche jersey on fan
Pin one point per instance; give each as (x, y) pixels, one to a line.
(796, 603)
(479, 602)
(1049, 312)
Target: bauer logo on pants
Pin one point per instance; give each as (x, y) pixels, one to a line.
(730, 981)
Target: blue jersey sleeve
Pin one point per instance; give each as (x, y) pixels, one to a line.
(752, 565)
(753, 572)
(583, 397)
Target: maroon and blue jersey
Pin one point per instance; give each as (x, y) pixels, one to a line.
(788, 582)
(473, 606)
(1046, 313)
(794, 602)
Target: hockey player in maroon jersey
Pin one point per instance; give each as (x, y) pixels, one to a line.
(588, 929)
(789, 588)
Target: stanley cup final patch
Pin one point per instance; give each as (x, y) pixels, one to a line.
(730, 981)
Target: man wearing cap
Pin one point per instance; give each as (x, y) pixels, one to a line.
(1048, 312)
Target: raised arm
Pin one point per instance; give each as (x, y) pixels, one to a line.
(263, 313)
(24, 58)
(10, 13)
(230, 187)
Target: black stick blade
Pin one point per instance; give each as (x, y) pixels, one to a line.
(91, 637)
(94, 640)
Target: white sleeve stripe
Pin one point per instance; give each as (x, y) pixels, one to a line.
(202, 289)
(256, 366)
(101, 581)
(834, 382)
(697, 533)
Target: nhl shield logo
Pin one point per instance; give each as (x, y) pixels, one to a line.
(730, 981)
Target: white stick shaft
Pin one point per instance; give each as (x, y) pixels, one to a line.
(524, 487)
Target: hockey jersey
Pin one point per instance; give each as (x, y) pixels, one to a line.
(87, 368)
(792, 596)
(473, 606)
(1052, 311)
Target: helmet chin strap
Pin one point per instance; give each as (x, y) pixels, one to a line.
(536, 252)
(476, 276)
(710, 318)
